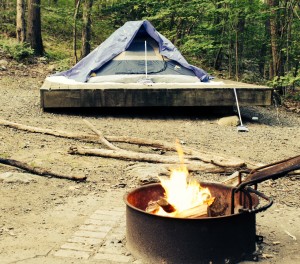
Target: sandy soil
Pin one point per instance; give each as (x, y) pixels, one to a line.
(35, 217)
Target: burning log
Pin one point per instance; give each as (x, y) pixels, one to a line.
(155, 206)
(166, 206)
(194, 212)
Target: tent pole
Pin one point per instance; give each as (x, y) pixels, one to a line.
(146, 59)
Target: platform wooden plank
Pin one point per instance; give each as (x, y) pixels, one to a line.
(141, 95)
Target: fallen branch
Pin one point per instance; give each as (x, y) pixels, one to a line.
(39, 171)
(47, 131)
(203, 156)
(192, 165)
(123, 154)
(102, 139)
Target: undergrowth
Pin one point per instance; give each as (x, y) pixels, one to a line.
(15, 50)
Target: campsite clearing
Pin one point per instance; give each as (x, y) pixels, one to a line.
(39, 215)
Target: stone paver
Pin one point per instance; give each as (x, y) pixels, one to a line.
(95, 228)
(89, 234)
(66, 253)
(78, 247)
(113, 258)
(100, 238)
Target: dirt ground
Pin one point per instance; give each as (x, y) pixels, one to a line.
(36, 216)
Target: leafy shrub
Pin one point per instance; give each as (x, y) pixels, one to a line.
(289, 81)
(17, 51)
(292, 95)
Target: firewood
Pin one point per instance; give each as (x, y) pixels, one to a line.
(165, 205)
(39, 171)
(152, 207)
(197, 211)
(194, 212)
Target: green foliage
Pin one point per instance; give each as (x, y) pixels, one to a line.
(7, 21)
(58, 22)
(17, 51)
(229, 36)
(289, 81)
(292, 95)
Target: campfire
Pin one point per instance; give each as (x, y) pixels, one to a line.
(183, 197)
(216, 225)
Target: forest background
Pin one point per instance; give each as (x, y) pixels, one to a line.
(256, 41)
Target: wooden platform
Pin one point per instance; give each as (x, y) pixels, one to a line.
(218, 93)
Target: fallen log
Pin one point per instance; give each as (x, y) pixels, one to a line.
(39, 171)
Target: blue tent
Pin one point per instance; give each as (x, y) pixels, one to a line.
(119, 42)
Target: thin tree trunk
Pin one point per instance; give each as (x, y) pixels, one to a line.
(274, 37)
(75, 30)
(34, 33)
(236, 56)
(20, 21)
(86, 30)
(240, 42)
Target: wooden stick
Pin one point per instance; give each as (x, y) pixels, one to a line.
(102, 139)
(39, 171)
(145, 157)
(123, 154)
(46, 131)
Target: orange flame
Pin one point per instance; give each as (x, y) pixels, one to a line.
(181, 191)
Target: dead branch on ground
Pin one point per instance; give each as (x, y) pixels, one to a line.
(39, 171)
(192, 164)
(102, 139)
(203, 156)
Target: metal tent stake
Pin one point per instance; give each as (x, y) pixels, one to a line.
(240, 128)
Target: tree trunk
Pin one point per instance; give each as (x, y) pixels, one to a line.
(34, 33)
(274, 37)
(75, 30)
(240, 42)
(236, 56)
(20, 21)
(86, 30)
